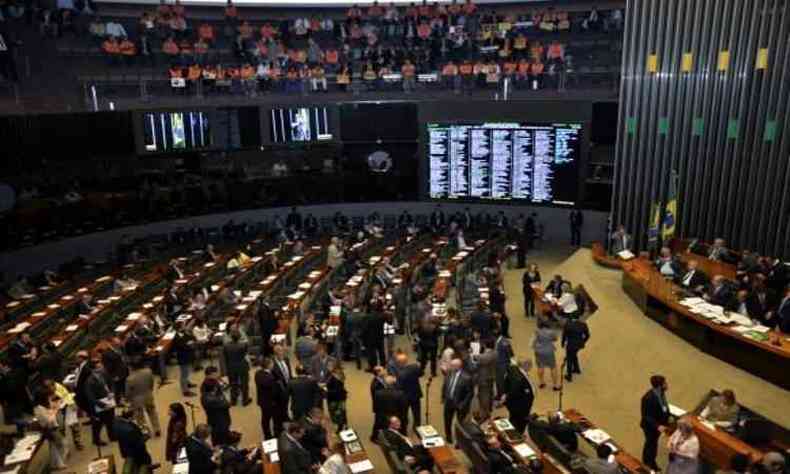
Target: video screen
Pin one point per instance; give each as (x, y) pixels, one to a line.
(536, 163)
(176, 131)
(302, 124)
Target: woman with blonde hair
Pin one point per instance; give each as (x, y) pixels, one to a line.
(683, 448)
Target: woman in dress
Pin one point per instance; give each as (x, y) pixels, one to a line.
(532, 275)
(336, 396)
(176, 431)
(683, 449)
(46, 413)
(543, 345)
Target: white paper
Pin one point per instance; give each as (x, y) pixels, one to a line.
(434, 442)
(269, 445)
(274, 457)
(524, 450)
(361, 466)
(626, 255)
(121, 328)
(348, 436)
(676, 411)
(72, 327)
(596, 436)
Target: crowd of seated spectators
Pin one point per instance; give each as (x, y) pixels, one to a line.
(375, 48)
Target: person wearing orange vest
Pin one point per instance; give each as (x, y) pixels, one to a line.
(128, 50)
(332, 59)
(450, 76)
(206, 33)
(536, 73)
(112, 49)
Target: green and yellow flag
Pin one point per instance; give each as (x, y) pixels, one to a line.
(671, 211)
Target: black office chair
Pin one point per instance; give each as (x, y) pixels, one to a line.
(756, 432)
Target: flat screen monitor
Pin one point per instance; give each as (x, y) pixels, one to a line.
(300, 124)
(171, 131)
(487, 161)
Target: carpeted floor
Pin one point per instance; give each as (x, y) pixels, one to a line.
(625, 349)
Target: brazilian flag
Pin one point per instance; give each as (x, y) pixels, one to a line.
(655, 222)
(671, 211)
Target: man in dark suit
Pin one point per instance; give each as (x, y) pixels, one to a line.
(760, 304)
(315, 438)
(562, 431)
(457, 393)
(667, 264)
(783, 312)
(100, 398)
(693, 279)
(409, 382)
(269, 394)
(238, 368)
(131, 443)
(655, 418)
(576, 219)
(554, 287)
(281, 369)
(500, 460)
(294, 457)
(267, 321)
(199, 452)
(486, 377)
(294, 219)
(355, 330)
(437, 219)
(719, 293)
(304, 392)
(405, 219)
(574, 336)
(519, 394)
(216, 406)
(504, 351)
(116, 367)
(412, 454)
(388, 401)
(482, 321)
(373, 335)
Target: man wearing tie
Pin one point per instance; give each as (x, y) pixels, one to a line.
(457, 392)
(270, 399)
(294, 457)
(667, 265)
(784, 312)
(413, 455)
(504, 351)
(499, 460)
(719, 294)
(387, 402)
(760, 304)
(693, 279)
(282, 374)
(519, 394)
(718, 252)
(621, 240)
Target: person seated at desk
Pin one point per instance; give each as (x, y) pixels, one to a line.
(174, 271)
(718, 252)
(604, 463)
(621, 240)
(430, 270)
(500, 460)
(198, 300)
(667, 265)
(719, 293)
(567, 305)
(783, 312)
(693, 280)
(760, 304)
(739, 464)
(124, 283)
(84, 306)
(473, 427)
(412, 454)
(211, 255)
(563, 431)
(554, 287)
(722, 410)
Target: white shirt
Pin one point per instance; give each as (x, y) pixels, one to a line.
(666, 268)
(201, 333)
(687, 278)
(115, 29)
(568, 303)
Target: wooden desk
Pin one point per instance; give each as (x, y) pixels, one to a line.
(270, 467)
(657, 298)
(600, 257)
(445, 461)
(680, 247)
(626, 460)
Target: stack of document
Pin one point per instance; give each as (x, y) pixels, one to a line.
(23, 449)
(361, 466)
(427, 431)
(348, 436)
(524, 451)
(596, 436)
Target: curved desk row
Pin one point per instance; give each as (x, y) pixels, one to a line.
(765, 355)
(600, 257)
